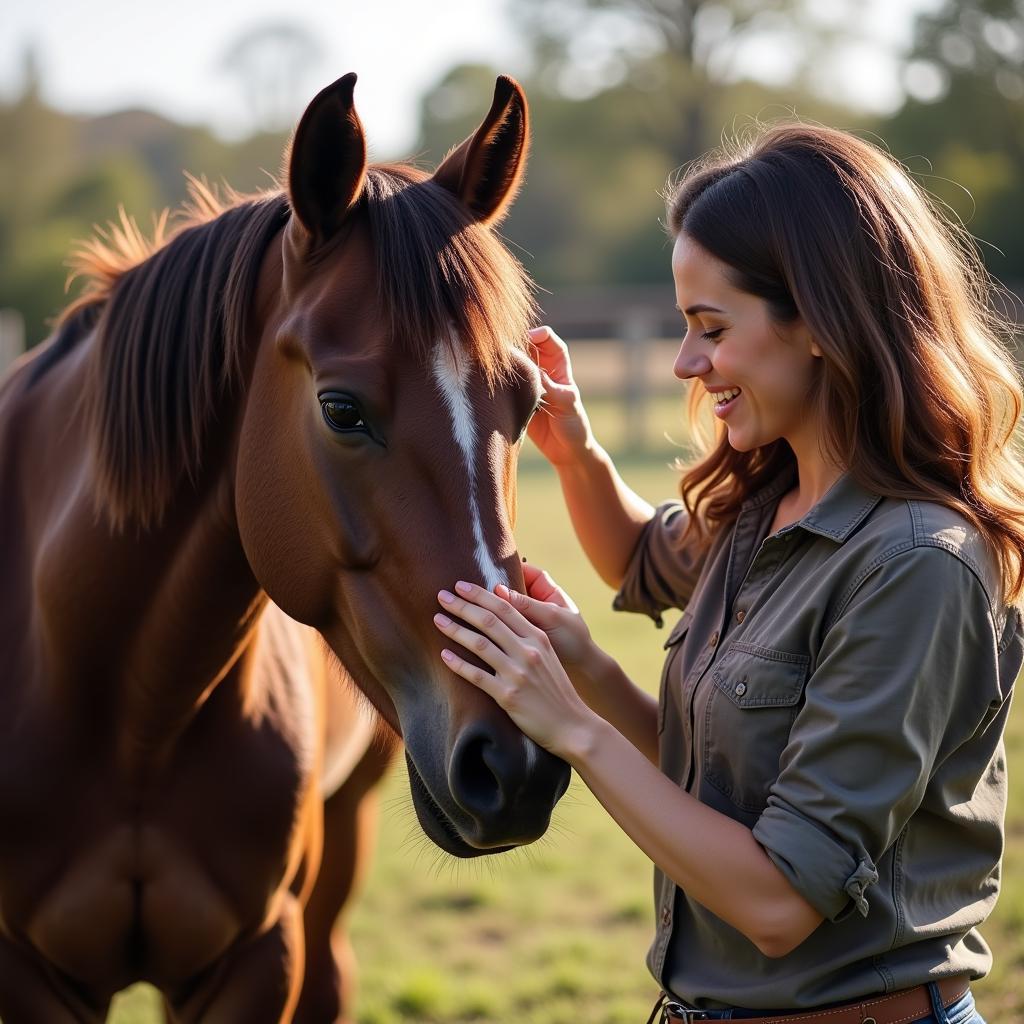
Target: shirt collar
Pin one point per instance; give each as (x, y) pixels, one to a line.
(772, 490)
(844, 507)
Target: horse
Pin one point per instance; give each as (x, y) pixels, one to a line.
(231, 485)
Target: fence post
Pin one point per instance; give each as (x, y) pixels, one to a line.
(12, 337)
(636, 329)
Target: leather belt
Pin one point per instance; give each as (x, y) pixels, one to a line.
(897, 1008)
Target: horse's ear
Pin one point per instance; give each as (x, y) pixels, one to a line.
(486, 170)
(327, 163)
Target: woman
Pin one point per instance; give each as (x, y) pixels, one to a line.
(826, 814)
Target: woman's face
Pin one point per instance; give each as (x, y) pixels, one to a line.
(759, 372)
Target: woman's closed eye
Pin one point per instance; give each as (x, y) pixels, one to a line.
(712, 335)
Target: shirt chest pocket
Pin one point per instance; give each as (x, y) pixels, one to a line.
(670, 672)
(751, 706)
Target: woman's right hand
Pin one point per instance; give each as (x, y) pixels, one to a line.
(551, 609)
(560, 428)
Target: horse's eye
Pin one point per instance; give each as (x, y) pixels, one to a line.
(341, 413)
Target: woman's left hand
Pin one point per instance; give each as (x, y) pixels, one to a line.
(528, 680)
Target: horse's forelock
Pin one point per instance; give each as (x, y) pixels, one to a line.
(441, 275)
(173, 325)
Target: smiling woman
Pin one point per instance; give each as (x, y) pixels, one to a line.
(821, 783)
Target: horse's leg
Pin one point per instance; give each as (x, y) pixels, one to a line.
(29, 996)
(350, 828)
(257, 982)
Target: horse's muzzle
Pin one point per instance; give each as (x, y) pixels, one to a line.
(505, 783)
(501, 790)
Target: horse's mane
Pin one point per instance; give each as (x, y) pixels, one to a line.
(174, 314)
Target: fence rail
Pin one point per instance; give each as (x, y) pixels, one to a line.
(12, 337)
(623, 342)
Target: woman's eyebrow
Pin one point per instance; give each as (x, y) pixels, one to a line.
(701, 308)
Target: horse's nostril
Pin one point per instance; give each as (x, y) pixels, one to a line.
(475, 782)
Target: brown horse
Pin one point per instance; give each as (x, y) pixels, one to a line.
(296, 419)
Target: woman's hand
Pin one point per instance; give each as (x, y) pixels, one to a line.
(527, 679)
(560, 427)
(550, 608)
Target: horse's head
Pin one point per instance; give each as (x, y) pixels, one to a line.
(378, 447)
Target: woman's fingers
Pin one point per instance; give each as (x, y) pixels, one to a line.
(486, 681)
(562, 395)
(538, 612)
(482, 646)
(552, 354)
(486, 611)
(547, 340)
(542, 587)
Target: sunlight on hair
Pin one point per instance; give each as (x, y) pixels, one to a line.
(918, 394)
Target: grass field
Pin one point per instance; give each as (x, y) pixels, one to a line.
(556, 934)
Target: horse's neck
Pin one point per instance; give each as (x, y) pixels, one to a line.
(198, 631)
(148, 622)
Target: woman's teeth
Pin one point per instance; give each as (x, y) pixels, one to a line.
(726, 396)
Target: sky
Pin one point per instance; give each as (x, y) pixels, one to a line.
(102, 55)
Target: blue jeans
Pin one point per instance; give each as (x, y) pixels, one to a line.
(960, 1012)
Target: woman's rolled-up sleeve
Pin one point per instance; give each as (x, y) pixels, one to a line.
(662, 571)
(905, 675)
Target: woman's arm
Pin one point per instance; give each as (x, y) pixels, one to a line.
(606, 514)
(714, 858)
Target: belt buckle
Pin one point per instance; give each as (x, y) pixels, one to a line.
(676, 1011)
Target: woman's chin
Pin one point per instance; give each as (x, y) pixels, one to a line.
(740, 442)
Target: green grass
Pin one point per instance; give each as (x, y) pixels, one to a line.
(556, 933)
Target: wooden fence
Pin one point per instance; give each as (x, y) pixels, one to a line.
(623, 342)
(12, 337)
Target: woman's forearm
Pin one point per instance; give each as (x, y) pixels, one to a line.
(609, 692)
(715, 859)
(606, 514)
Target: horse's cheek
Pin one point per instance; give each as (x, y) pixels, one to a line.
(278, 528)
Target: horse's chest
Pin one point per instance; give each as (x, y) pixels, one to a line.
(113, 880)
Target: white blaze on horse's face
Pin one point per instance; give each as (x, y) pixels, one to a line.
(452, 376)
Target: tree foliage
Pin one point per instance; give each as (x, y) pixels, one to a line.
(623, 92)
(962, 128)
(64, 175)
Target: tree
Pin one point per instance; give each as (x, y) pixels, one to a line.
(272, 63)
(965, 117)
(678, 54)
(591, 210)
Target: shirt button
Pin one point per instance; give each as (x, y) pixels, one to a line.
(713, 642)
(666, 916)
(741, 615)
(741, 688)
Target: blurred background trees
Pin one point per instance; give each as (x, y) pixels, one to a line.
(965, 114)
(622, 92)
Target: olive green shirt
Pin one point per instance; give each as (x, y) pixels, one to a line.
(841, 688)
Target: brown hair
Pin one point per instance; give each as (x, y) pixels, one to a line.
(174, 315)
(917, 393)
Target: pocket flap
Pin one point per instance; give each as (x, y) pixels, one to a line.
(752, 676)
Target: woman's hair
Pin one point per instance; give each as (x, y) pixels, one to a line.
(917, 394)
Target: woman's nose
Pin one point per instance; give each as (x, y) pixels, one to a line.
(690, 361)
